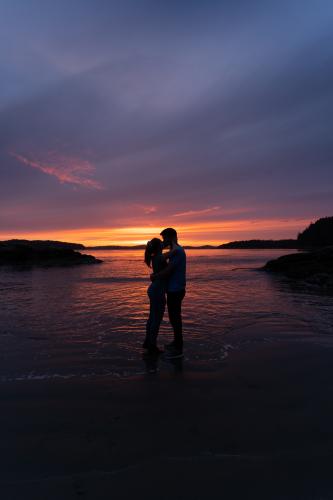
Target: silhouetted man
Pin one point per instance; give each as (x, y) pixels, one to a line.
(176, 274)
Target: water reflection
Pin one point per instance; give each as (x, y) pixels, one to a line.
(153, 362)
(91, 319)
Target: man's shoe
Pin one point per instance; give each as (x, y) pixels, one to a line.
(173, 353)
(170, 346)
(153, 350)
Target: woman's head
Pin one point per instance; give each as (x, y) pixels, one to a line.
(153, 247)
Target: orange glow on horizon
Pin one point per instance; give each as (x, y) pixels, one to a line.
(214, 233)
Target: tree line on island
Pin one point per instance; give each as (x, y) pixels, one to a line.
(317, 234)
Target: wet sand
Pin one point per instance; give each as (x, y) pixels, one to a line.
(259, 428)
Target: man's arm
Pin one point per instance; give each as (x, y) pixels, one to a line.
(167, 255)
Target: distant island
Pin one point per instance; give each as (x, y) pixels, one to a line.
(142, 247)
(247, 244)
(260, 244)
(43, 253)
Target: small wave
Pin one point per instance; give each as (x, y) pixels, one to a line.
(65, 376)
(114, 279)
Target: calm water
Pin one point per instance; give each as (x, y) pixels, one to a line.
(90, 320)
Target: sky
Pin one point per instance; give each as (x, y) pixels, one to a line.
(120, 118)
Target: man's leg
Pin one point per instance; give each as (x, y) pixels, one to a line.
(158, 313)
(174, 301)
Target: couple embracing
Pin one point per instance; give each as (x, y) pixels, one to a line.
(168, 282)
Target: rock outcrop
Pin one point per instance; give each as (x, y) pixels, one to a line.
(314, 267)
(43, 253)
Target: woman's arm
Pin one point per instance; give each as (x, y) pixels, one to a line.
(165, 273)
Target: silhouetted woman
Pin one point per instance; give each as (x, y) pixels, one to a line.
(156, 293)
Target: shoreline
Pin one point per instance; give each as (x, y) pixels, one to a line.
(260, 424)
(203, 248)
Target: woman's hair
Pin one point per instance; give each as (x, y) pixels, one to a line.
(153, 247)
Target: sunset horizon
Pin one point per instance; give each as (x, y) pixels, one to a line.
(189, 234)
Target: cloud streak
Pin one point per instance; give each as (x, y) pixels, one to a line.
(191, 213)
(68, 170)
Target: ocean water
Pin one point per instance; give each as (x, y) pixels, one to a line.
(90, 320)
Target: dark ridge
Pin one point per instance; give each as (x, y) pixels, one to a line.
(117, 247)
(257, 244)
(44, 244)
(201, 247)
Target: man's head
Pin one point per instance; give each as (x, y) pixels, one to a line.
(169, 236)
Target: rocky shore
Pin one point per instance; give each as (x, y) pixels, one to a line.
(314, 267)
(43, 253)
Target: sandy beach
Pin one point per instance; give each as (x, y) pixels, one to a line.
(259, 428)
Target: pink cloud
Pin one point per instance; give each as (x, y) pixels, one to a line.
(150, 210)
(196, 212)
(146, 209)
(67, 169)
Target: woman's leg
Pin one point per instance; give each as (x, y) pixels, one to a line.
(157, 308)
(148, 325)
